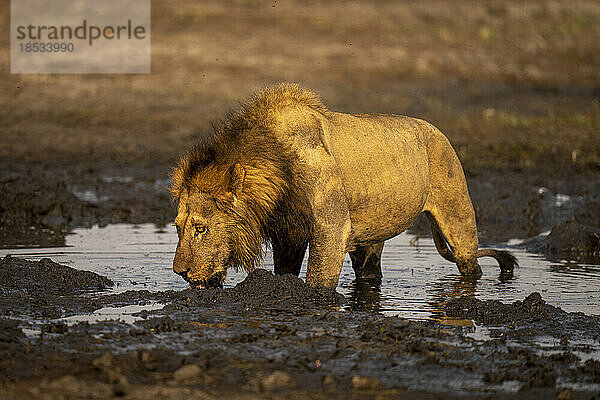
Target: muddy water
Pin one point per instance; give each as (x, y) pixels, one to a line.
(417, 282)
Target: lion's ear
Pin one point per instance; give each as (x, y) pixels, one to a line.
(238, 175)
(323, 133)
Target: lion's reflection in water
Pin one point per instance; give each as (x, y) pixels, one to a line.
(364, 295)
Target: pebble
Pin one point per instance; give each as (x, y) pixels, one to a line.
(364, 382)
(276, 380)
(187, 372)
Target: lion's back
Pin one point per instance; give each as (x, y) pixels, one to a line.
(384, 165)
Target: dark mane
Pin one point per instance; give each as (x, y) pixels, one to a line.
(247, 137)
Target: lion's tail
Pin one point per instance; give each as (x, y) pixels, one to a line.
(505, 259)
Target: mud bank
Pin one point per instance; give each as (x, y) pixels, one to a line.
(46, 290)
(568, 241)
(274, 336)
(531, 317)
(42, 203)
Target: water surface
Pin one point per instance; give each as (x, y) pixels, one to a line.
(417, 282)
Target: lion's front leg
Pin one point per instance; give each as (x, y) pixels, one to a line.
(331, 231)
(288, 253)
(326, 255)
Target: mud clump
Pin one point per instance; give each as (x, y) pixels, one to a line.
(532, 308)
(46, 275)
(45, 289)
(49, 290)
(527, 319)
(10, 331)
(41, 203)
(34, 201)
(570, 240)
(263, 290)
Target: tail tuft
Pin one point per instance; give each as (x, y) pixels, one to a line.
(505, 259)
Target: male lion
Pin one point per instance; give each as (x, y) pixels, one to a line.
(285, 170)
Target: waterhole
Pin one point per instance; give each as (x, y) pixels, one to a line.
(417, 282)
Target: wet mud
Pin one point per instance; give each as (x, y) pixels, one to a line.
(263, 290)
(41, 203)
(530, 317)
(568, 241)
(48, 277)
(274, 336)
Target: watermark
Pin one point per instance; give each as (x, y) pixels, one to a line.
(80, 36)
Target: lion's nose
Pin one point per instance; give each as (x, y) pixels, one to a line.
(181, 264)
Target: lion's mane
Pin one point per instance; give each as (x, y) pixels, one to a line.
(273, 195)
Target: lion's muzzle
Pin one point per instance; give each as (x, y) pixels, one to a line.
(196, 281)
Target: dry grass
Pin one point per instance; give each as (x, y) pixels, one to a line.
(448, 61)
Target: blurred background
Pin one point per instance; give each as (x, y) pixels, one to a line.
(515, 85)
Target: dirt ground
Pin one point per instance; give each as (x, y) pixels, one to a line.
(514, 85)
(274, 337)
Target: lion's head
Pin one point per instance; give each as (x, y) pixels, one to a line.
(230, 185)
(222, 213)
(214, 226)
(204, 249)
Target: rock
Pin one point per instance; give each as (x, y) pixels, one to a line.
(103, 362)
(365, 383)
(187, 372)
(564, 395)
(145, 356)
(329, 380)
(276, 380)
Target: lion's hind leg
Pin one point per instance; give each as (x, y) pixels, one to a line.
(440, 241)
(505, 259)
(451, 212)
(366, 261)
(456, 241)
(449, 206)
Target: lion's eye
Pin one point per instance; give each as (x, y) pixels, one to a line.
(200, 229)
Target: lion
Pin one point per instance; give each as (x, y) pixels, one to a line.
(286, 171)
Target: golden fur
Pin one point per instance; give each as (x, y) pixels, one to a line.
(285, 170)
